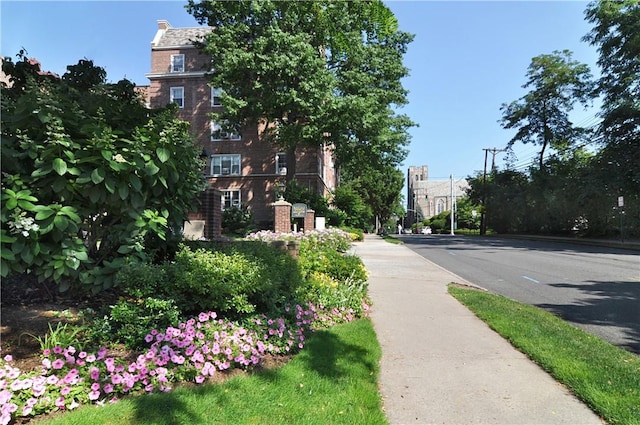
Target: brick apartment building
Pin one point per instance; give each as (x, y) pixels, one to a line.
(245, 169)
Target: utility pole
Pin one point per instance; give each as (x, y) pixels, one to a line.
(453, 200)
(483, 220)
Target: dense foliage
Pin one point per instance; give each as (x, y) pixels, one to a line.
(589, 180)
(268, 301)
(89, 175)
(319, 73)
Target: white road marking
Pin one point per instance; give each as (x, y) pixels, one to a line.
(531, 279)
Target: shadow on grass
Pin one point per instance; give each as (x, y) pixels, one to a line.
(336, 357)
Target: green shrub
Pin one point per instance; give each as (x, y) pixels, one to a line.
(355, 233)
(231, 279)
(325, 291)
(334, 264)
(203, 280)
(237, 221)
(132, 319)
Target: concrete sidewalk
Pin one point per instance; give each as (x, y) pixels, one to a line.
(442, 365)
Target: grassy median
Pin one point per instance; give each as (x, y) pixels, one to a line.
(332, 380)
(605, 377)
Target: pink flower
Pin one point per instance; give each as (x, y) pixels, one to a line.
(94, 395)
(8, 358)
(60, 402)
(57, 364)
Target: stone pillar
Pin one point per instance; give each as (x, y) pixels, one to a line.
(309, 220)
(282, 221)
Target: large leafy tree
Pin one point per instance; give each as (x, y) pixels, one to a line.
(310, 73)
(89, 175)
(616, 33)
(556, 83)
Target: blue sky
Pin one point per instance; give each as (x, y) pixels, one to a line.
(467, 59)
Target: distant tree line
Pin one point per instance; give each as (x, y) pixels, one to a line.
(585, 180)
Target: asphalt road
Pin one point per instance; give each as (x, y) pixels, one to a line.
(595, 288)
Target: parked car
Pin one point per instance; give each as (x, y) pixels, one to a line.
(426, 230)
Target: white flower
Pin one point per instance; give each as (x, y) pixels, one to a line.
(119, 158)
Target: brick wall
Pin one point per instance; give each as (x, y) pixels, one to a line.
(210, 211)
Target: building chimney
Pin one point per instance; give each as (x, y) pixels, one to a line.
(163, 25)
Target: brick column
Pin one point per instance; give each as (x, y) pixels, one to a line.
(310, 220)
(210, 211)
(282, 221)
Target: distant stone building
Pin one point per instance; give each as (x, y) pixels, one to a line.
(426, 198)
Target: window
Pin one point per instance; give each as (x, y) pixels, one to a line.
(177, 63)
(177, 96)
(230, 198)
(225, 165)
(281, 163)
(215, 96)
(217, 133)
(440, 206)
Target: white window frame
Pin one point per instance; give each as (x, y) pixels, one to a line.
(176, 95)
(231, 198)
(215, 96)
(234, 167)
(217, 135)
(177, 63)
(280, 168)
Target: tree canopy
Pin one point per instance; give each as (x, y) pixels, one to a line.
(616, 33)
(541, 116)
(313, 73)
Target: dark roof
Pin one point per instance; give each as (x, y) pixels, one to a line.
(182, 36)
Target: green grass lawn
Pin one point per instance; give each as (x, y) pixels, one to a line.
(333, 380)
(605, 377)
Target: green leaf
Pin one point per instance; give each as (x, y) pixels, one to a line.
(26, 205)
(151, 168)
(71, 213)
(59, 166)
(27, 256)
(136, 183)
(82, 256)
(83, 180)
(44, 213)
(8, 255)
(97, 176)
(124, 249)
(123, 191)
(11, 203)
(108, 155)
(59, 184)
(39, 172)
(74, 171)
(95, 195)
(110, 185)
(61, 222)
(6, 238)
(163, 154)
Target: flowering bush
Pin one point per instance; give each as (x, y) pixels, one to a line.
(196, 349)
(193, 351)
